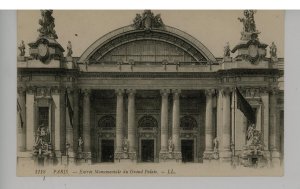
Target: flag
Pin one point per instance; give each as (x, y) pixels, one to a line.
(245, 107)
(19, 109)
(70, 110)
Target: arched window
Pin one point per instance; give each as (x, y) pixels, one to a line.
(148, 122)
(188, 122)
(107, 122)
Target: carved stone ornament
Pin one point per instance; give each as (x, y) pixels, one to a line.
(256, 50)
(47, 24)
(147, 21)
(248, 21)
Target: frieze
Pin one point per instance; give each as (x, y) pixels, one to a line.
(148, 75)
(43, 92)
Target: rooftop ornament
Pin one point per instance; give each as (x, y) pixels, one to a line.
(147, 21)
(47, 24)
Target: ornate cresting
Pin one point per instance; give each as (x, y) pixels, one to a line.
(250, 48)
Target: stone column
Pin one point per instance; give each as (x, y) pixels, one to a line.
(86, 135)
(131, 124)
(63, 120)
(273, 128)
(208, 125)
(30, 119)
(164, 124)
(75, 120)
(119, 123)
(176, 124)
(225, 151)
(57, 106)
(21, 119)
(69, 126)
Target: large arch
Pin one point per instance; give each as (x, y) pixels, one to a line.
(128, 34)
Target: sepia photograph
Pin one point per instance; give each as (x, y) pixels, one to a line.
(150, 93)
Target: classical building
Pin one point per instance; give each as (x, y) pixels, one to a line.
(148, 92)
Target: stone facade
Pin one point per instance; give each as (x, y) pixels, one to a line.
(146, 93)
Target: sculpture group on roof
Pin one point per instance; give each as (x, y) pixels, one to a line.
(47, 24)
(248, 21)
(147, 20)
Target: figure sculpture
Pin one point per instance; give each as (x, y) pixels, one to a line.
(125, 145)
(227, 50)
(69, 48)
(250, 133)
(41, 143)
(47, 24)
(170, 146)
(216, 144)
(22, 49)
(273, 50)
(80, 142)
(248, 21)
(147, 20)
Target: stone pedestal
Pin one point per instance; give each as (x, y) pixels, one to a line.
(275, 159)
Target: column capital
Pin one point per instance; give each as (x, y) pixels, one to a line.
(273, 90)
(226, 90)
(119, 92)
(31, 90)
(131, 92)
(56, 89)
(165, 92)
(209, 92)
(70, 90)
(86, 92)
(176, 92)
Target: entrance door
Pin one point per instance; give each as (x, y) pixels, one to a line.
(187, 150)
(147, 149)
(107, 151)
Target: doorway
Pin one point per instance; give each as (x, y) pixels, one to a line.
(107, 150)
(147, 150)
(187, 150)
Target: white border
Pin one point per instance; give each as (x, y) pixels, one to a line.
(8, 177)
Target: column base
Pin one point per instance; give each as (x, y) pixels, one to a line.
(84, 158)
(210, 155)
(165, 156)
(225, 156)
(125, 157)
(275, 158)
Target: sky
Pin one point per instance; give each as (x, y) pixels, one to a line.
(213, 28)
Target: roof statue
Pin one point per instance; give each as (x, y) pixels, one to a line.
(250, 48)
(147, 20)
(248, 21)
(21, 48)
(47, 24)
